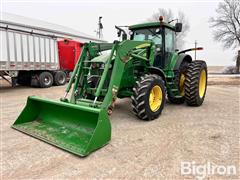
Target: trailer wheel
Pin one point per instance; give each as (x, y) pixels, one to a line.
(149, 95)
(60, 78)
(45, 79)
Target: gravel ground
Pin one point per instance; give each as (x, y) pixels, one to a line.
(138, 149)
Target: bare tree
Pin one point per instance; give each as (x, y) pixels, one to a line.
(227, 25)
(168, 16)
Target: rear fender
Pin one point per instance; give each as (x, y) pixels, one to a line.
(181, 58)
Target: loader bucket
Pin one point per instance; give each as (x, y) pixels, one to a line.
(78, 129)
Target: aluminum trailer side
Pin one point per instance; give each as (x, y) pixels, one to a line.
(29, 57)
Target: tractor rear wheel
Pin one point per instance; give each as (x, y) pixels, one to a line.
(149, 95)
(196, 83)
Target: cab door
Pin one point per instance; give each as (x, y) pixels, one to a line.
(169, 38)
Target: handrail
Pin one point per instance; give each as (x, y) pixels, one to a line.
(106, 68)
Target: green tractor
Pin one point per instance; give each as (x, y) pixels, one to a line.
(146, 68)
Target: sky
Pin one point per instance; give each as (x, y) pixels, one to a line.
(83, 16)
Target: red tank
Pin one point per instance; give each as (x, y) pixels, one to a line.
(69, 52)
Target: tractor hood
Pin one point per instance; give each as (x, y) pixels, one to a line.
(102, 58)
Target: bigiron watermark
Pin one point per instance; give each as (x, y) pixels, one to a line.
(201, 171)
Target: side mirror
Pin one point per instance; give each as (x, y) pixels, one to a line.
(124, 36)
(119, 33)
(178, 27)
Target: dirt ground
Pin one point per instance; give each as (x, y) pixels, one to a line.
(214, 79)
(215, 69)
(224, 81)
(138, 149)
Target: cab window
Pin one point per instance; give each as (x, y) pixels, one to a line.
(169, 40)
(148, 34)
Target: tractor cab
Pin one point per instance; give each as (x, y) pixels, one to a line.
(162, 34)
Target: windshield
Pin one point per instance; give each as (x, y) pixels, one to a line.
(153, 34)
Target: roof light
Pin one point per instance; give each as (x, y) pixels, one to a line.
(161, 18)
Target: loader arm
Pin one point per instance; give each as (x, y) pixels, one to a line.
(121, 54)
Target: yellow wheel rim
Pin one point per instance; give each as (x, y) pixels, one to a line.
(181, 84)
(155, 98)
(202, 83)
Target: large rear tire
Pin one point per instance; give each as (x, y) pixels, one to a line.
(196, 83)
(149, 96)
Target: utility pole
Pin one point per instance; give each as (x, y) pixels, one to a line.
(195, 55)
(100, 27)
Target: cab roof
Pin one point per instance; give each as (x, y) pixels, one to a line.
(151, 25)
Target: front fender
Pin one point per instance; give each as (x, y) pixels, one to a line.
(155, 70)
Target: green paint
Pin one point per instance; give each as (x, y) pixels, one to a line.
(80, 124)
(78, 129)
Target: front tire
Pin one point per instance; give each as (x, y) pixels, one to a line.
(196, 83)
(149, 96)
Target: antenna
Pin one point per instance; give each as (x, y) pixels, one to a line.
(172, 21)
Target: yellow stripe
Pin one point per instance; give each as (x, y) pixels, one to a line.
(143, 46)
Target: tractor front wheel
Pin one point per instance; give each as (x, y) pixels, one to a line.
(149, 95)
(196, 83)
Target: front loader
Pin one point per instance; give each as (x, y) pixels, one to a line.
(146, 68)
